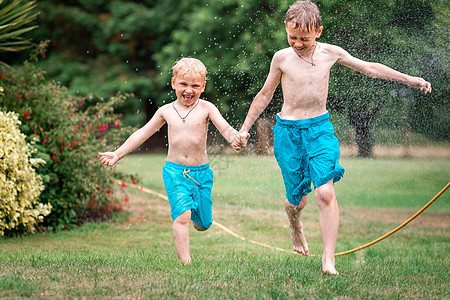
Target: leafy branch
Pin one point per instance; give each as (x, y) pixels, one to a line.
(13, 21)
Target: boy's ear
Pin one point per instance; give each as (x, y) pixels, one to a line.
(172, 81)
(319, 32)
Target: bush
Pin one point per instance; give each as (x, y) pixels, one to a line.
(70, 131)
(20, 187)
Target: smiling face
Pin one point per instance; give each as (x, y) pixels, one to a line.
(300, 39)
(188, 88)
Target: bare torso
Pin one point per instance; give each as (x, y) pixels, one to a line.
(187, 140)
(305, 87)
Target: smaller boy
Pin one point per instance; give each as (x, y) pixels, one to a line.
(187, 176)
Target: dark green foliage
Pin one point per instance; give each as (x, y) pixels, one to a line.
(70, 131)
(236, 41)
(107, 46)
(374, 31)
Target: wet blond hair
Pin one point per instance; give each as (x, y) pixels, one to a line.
(304, 14)
(189, 65)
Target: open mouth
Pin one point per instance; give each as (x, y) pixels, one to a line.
(188, 98)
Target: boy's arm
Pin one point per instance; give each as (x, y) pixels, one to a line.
(221, 124)
(380, 71)
(263, 98)
(134, 141)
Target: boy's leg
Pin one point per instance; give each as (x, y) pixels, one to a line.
(298, 239)
(329, 223)
(181, 236)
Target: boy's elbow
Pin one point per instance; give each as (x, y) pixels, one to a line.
(262, 99)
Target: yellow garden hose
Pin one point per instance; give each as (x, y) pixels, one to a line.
(229, 231)
(397, 228)
(215, 223)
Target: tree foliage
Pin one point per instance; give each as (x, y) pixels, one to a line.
(104, 46)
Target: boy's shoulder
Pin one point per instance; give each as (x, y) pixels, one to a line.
(331, 50)
(283, 52)
(165, 107)
(328, 46)
(281, 55)
(205, 104)
(208, 107)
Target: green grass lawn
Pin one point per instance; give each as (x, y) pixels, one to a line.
(132, 256)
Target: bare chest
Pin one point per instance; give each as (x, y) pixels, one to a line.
(297, 72)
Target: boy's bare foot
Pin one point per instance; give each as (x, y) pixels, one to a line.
(328, 268)
(298, 239)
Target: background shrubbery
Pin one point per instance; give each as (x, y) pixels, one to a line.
(20, 188)
(69, 132)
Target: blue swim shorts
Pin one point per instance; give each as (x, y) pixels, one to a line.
(189, 187)
(306, 151)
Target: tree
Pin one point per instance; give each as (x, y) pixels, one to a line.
(236, 41)
(394, 33)
(106, 46)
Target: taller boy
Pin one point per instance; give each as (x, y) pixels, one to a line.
(305, 146)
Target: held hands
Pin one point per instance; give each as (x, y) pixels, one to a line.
(108, 158)
(239, 141)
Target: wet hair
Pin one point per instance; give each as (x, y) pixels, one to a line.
(304, 14)
(189, 65)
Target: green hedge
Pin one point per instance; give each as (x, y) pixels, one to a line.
(70, 131)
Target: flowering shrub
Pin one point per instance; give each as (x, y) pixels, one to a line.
(70, 131)
(20, 187)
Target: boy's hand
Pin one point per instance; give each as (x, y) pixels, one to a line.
(422, 84)
(108, 158)
(240, 140)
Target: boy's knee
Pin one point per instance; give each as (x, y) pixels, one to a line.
(289, 206)
(183, 218)
(325, 194)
